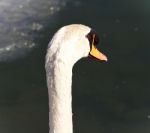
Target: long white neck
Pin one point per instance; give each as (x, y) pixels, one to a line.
(68, 45)
(59, 79)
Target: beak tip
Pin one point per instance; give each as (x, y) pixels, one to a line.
(104, 58)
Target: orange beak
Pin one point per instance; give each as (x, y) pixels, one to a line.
(97, 54)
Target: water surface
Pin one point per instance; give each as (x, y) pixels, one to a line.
(108, 97)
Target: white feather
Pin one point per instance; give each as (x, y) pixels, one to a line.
(68, 45)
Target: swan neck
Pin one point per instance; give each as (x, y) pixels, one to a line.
(60, 98)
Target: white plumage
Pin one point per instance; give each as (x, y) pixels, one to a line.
(68, 45)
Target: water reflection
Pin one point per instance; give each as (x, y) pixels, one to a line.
(22, 23)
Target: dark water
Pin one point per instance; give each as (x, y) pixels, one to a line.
(108, 97)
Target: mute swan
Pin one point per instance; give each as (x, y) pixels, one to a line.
(69, 44)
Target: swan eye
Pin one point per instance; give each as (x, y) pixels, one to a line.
(93, 37)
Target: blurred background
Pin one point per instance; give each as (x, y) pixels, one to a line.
(110, 97)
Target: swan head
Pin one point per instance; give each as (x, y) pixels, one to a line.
(73, 42)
